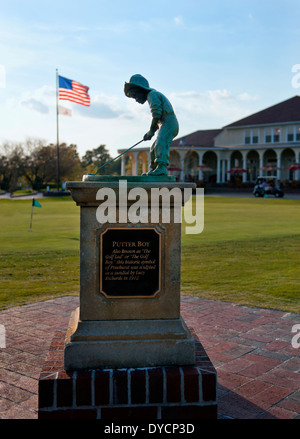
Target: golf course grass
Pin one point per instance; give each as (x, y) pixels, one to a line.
(247, 254)
(42, 263)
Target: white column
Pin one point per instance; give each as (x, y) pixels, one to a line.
(136, 162)
(218, 169)
(244, 153)
(227, 169)
(200, 173)
(261, 160)
(223, 170)
(144, 165)
(182, 154)
(278, 154)
(123, 165)
(297, 156)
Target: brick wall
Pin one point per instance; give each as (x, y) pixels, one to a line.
(187, 392)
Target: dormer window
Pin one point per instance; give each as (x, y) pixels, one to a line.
(293, 133)
(290, 134)
(272, 135)
(251, 137)
(276, 135)
(255, 137)
(247, 137)
(268, 135)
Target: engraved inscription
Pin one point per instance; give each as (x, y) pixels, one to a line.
(130, 262)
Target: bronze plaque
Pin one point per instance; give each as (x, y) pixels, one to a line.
(130, 262)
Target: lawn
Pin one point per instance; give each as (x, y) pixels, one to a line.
(43, 263)
(248, 252)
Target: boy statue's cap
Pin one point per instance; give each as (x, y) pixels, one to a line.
(136, 81)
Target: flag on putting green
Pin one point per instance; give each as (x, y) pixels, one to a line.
(35, 203)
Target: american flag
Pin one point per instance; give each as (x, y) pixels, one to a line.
(73, 91)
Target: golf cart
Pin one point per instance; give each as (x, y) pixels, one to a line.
(266, 186)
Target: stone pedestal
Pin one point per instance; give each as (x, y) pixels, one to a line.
(129, 314)
(127, 353)
(161, 392)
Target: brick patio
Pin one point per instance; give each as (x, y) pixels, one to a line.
(258, 369)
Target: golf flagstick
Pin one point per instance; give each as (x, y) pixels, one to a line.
(31, 216)
(34, 203)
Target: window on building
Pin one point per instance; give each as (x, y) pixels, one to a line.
(268, 135)
(255, 137)
(276, 135)
(290, 134)
(251, 136)
(247, 137)
(272, 135)
(297, 132)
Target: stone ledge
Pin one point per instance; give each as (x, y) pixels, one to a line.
(127, 343)
(129, 178)
(84, 192)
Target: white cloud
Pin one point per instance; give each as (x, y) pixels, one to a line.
(178, 21)
(212, 96)
(40, 100)
(219, 95)
(247, 97)
(43, 100)
(211, 109)
(98, 110)
(35, 105)
(188, 95)
(105, 106)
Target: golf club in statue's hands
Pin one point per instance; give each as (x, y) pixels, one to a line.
(110, 161)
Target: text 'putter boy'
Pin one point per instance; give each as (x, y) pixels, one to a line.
(163, 120)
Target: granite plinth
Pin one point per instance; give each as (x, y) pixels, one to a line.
(129, 314)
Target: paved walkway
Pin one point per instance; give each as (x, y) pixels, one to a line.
(258, 369)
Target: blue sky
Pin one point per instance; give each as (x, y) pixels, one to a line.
(216, 61)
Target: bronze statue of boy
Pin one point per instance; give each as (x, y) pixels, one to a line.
(163, 120)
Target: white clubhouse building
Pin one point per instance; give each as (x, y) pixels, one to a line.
(268, 137)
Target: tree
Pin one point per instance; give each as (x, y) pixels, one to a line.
(11, 165)
(97, 157)
(70, 165)
(93, 159)
(41, 163)
(38, 162)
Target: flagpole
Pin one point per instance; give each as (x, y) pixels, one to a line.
(57, 132)
(31, 216)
